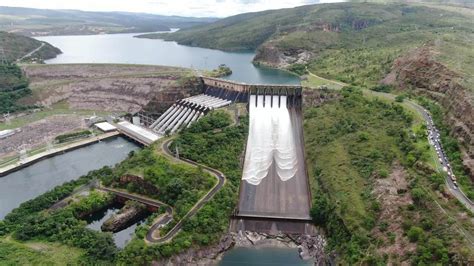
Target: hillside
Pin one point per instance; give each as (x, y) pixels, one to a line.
(16, 46)
(41, 22)
(422, 48)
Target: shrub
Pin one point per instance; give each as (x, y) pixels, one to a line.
(415, 233)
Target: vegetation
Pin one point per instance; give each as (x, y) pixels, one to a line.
(37, 253)
(31, 221)
(13, 86)
(221, 71)
(353, 147)
(215, 142)
(16, 46)
(29, 21)
(450, 146)
(177, 185)
(74, 135)
(356, 43)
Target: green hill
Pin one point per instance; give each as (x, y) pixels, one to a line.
(16, 46)
(40, 22)
(422, 48)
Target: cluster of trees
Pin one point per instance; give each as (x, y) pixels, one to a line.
(220, 149)
(13, 86)
(74, 135)
(179, 185)
(352, 142)
(33, 221)
(221, 71)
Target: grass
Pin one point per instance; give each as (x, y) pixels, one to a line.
(14, 252)
(316, 81)
(350, 144)
(60, 108)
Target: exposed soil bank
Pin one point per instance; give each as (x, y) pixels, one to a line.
(107, 87)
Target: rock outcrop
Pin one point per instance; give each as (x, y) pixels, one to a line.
(317, 97)
(106, 87)
(309, 247)
(146, 187)
(271, 55)
(131, 212)
(420, 72)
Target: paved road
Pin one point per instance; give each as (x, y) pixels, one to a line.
(434, 140)
(150, 237)
(31, 53)
(145, 200)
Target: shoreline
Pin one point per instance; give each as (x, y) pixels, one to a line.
(47, 154)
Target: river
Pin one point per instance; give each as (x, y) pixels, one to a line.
(125, 49)
(36, 179)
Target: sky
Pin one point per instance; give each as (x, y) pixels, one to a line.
(193, 8)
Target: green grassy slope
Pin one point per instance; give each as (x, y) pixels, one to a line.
(373, 189)
(16, 46)
(351, 42)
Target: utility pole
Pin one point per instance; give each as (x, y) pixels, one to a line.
(177, 151)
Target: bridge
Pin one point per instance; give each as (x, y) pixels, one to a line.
(151, 204)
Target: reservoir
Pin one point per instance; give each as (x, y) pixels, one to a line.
(125, 49)
(36, 179)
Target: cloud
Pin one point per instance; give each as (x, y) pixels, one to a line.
(195, 8)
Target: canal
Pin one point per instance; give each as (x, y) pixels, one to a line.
(36, 179)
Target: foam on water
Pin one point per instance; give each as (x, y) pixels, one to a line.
(270, 142)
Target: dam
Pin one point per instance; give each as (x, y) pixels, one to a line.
(274, 195)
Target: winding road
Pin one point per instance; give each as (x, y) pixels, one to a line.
(443, 160)
(165, 219)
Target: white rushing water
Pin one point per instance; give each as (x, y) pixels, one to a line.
(270, 142)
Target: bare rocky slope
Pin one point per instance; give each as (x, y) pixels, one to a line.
(126, 88)
(420, 72)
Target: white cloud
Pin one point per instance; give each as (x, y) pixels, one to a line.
(196, 8)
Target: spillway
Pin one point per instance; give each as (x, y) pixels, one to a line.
(274, 180)
(271, 141)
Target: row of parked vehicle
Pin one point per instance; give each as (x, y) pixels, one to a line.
(434, 138)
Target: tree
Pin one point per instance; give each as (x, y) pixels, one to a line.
(415, 233)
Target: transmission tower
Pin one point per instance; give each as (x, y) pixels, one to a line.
(3, 58)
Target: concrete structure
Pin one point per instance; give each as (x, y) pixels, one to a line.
(105, 127)
(137, 133)
(52, 152)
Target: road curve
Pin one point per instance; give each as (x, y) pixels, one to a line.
(168, 216)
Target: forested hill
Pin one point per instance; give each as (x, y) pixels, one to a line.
(40, 22)
(16, 46)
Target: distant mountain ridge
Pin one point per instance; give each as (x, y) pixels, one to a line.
(40, 22)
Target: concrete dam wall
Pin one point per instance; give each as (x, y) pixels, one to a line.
(274, 192)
